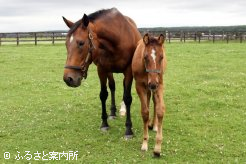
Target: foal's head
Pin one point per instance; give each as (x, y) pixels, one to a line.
(153, 59)
(79, 44)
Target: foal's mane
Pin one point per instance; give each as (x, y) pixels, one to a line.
(153, 40)
(92, 17)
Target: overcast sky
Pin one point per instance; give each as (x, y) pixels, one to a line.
(31, 15)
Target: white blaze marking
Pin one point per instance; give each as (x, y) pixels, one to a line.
(153, 56)
(71, 38)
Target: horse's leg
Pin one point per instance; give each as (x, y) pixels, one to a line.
(160, 111)
(103, 97)
(144, 99)
(111, 84)
(128, 100)
(123, 105)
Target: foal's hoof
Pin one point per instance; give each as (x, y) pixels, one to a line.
(104, 129)
(156, 154)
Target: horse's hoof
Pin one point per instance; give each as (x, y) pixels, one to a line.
(112, 117)
(128, 137)
(104, 129)
(157, 154)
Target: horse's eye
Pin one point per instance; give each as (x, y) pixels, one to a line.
(80, 44)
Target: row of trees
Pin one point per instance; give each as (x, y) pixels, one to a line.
(199, 28)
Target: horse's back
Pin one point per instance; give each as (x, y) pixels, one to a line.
(118, 35)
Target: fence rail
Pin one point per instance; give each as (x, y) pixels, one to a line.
(171, 36)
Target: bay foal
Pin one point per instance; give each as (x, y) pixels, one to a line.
(148, 65)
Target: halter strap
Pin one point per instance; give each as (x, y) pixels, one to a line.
(151, 70)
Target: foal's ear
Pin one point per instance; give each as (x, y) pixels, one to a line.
(85, 21)
(161, 39)
(68, 22)
(146, 38)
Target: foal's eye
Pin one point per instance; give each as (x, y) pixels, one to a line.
(80, 44)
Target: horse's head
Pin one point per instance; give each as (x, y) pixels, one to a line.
(153, 59)
(79, 44)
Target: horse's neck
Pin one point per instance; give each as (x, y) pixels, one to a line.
(106, 33)
(107, 38)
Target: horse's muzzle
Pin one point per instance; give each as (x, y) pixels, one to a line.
(72, 81)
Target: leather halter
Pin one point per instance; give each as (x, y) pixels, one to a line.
(84, 67)
(151, 70)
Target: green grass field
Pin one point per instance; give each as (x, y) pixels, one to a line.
(205, 98)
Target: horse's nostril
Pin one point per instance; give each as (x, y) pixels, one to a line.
(69, 79)
(72, 81)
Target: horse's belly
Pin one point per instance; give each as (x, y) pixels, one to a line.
(113, 65)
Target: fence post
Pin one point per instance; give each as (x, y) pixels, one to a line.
(195, 37)
(35, 37)
(213, 37)
(199, 37)
(181, 39)
(241, 38)
(0, 40)
(17, 39)
(227, 37)
(53, 38)
(169, 37)
(184, 37)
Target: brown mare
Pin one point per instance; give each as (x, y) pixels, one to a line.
(108, 39)
(148, 66)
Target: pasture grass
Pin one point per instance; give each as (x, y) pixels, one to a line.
(205, 98)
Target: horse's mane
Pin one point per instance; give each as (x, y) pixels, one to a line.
(100, 13)
(92, 17)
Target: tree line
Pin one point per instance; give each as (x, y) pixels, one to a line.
(239, 28)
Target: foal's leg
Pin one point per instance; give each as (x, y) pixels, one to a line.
(151, 122)
(103, 96)
(111, 84)
(128, 100)
(144, 99)
(154, 121)
(160, 111)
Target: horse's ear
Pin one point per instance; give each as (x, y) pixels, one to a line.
(68, 22)
(85, 21)
(146, 38)
(161, 39)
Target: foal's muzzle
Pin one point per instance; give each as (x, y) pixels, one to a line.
(152, 86)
